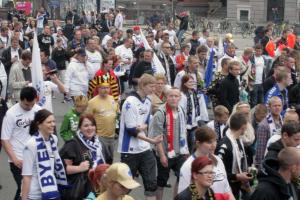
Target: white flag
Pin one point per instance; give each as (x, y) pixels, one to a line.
(220, 48)
(37, 72)
(158, 67)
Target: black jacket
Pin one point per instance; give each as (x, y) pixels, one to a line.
(69, 31)
(229, 92)
(268, 84)
(6, 59)
(172, 67)
(274, 149)
(294, 95)
(264, 42)
(271, 185)
(194, 45)
(184, 22)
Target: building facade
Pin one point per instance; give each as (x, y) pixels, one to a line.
(263, 10)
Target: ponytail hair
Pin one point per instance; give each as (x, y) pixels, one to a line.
(96, 177)
(39, 118)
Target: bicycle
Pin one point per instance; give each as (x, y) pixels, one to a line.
(248, 29)
(225, 26)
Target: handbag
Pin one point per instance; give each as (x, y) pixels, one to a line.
(80, 186)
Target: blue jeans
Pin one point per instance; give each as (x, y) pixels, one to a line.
(180, 34)
(256, 95)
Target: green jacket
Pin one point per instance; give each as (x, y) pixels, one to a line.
(69, 125)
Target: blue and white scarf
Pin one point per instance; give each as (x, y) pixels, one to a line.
(95, 148)
(274, 129)
(50, 180)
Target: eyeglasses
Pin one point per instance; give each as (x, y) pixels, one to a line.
(207, 173)
(167, 47)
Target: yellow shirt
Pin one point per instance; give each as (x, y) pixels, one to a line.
(102, 197)
(105, 113)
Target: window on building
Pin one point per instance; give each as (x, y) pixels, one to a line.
(244, 15)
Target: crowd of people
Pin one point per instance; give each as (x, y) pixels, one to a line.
(149, 94)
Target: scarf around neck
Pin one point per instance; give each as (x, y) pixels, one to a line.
(192, 104)
(237, 161)
(50, 180)
(170, 132)
(95, 148)
(209, 195)
(272, 125)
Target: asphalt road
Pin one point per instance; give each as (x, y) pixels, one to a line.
(6, 180)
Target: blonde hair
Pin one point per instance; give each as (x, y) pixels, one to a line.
(146, 79)
(160, 77)
(80, 100)
(220, 111)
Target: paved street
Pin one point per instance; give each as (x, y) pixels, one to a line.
(6, 180)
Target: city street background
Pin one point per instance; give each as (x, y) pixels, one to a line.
(6, 180)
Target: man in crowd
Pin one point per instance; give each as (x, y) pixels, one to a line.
(169, 121)
(274, 181)
(15, 132)
(46, 40)
(11, 55)
(270, 126)
(229, 87)
(104, 109)
(168, 62)
(20, 75)
(134, 145)
(290, 137)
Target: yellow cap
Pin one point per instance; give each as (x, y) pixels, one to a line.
(121, 173)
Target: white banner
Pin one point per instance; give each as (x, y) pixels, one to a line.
(36, 71)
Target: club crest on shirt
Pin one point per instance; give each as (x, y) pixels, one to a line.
(23, 123)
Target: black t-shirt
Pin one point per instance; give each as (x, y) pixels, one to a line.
(45, 41)
(141, 68)
(76, 151)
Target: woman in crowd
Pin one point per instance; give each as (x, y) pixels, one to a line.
(195, 108)
(202, 179)
(249, 135)
(42, 160)
(80, 154)
(206, 141)
(69, 125)
(158, 97)
(119, 182)
(96, 178)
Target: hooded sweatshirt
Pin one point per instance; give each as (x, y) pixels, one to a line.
(274, 149)
(271, 185)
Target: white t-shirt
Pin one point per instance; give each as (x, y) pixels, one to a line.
(134, 112)
(94, 62)
(14, 53)
(259, 69)
(105, 40)
(48, 88)
(125, 54)
(137, 40)
(220, 184)
(15, 127)
(29, 167)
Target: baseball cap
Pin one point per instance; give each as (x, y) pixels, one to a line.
(121, 173)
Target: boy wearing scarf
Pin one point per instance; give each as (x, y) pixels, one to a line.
(169, 121)
(270, 126)
(231, 151)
